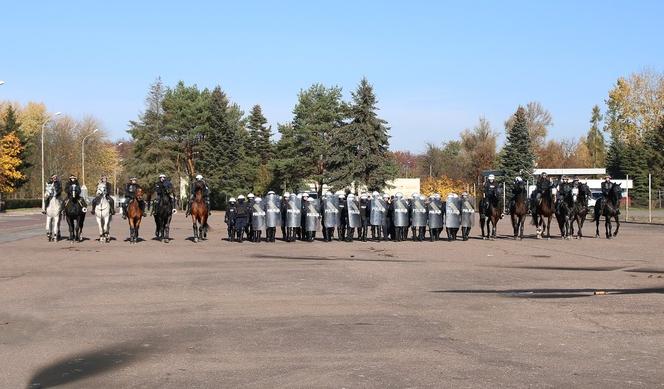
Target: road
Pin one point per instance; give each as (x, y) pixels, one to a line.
(581, 313)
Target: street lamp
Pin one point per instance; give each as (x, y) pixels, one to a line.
(84, 188)
(115, 174)
(42, 156)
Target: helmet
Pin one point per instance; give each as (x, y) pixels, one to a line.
(576, 178)
(54, 176)
(543, 174)
(231, 200)
(375, 193)
(464, 194)
(423, 197)
(240, 197)
(132, 179)
(436, 195)
(270, 192)
(250, 196)
(310, 199)
(398, 195)
(415, 195)
(258, 200)
(607, 176)
(199, 177)
(342, 195)
(305, 194)
(162, 176)
(491, 177)
(386, 196)
(363, 196)
(286, 194)
(351, 196)
(328, 193)
(518, 179)
(72, 177)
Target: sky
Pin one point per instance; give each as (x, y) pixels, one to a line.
(436, 66)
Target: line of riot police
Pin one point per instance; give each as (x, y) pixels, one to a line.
(346, 217)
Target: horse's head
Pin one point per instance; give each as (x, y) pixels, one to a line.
(73, 191)
(101, 189)
(616, 192)
(139, 194)
(50, 190)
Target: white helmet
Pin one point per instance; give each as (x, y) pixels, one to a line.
(270, 192)
(199, 177)
(305, 194)
(342, 195)
(251, 195)
(375, 193)
(398, 195)
(258, 200)
(310, 199)
(231, 200)
(518, 179)
(491, 177)
(286, 194)
(386, 196)
(351, 196)
(436, 195)
(162, 176)
(240, 197)
(423, 197)
(415, 195)
(363, 196)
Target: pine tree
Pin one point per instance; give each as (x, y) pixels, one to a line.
(285, 173)
(259, 135)
(359, 152)
(595, 140)
(516, 157)
(150, 156)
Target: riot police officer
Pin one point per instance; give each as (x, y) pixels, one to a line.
(229, 218)
(365, 208)
(241, 217)
(201, 185)
(75, 187)
(130, 192)
(163, 187)
(343, 220)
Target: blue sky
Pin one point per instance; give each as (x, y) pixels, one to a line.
(436, 66)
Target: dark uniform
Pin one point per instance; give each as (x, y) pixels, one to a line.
(365, 209)
(489, 185)
(163, 187)
(242, 217)
(229, 219)
(542, 185)
(57, 189)
(73, 183)
(343, 220)
(284, 213)
(201, 185)
(564, 188)
(130, 193)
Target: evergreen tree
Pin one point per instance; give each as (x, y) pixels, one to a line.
(259, 135)
(359, 150)
(517, 157)
(150, 156)
(595, 140)
(285, 173)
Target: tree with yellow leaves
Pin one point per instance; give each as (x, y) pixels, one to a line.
(10, 162)
(443, 185)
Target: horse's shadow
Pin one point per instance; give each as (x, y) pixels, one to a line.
(138, 240)
(83, 239)
(170, 239)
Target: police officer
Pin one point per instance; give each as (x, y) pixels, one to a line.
(57, 189)
(248, 229)
(163, 187)
(489, 185)
(343, 220)
(606, 187)
(365, 208)
(387, 221)
(130, 192)
(104, 180)
(284, 214)
(564, 187)
(270, 232)
(256, 231)
(515, 192)
(73, 185)
(201, 185)
(241, 217)
(542, 185)
(229, 218)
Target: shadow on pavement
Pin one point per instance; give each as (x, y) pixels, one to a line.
(554, 293)
(312, 258)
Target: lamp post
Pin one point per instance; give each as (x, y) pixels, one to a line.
(84, 188)
(43, 185)
(115, 174)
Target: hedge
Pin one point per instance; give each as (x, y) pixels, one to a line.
(22, 203)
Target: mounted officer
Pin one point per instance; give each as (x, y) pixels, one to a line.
(606, 186)
(163, 187)
(564, 187)
(542, 185)
(489, 185)
(73, 185)
(57, 189)
(130, 192)
(516, 188)
(104, 180)
(201, 185)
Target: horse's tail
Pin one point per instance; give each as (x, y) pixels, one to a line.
(533, 221)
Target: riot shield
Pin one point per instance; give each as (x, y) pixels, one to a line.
(294, 212)
(435, 213)
(378, 212)
(453, 212)
(257, 216)
(272, 211)
(418, 213)
(312, 216)
(354, 220)
(467, 212)
(400, 218)
(331, 210)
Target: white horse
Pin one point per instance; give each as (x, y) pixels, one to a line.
(53, 211)
(103, 214)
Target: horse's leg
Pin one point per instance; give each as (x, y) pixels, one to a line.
(615, 233)
(607, 227)
(515, 225)
(195, 229)
(548, 227)
(48, 227)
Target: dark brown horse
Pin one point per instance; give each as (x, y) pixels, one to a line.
(490, 213)
(544, 209)
(610, 209)
(199, 215)
(519, 209)
(580, 196)
(135, 215)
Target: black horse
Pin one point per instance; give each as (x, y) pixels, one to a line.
(490, 212)
(519, 209)
(609, 208)
(580, 196)
(75, 213)
(564, 211)
(544, 210)
(163, 213)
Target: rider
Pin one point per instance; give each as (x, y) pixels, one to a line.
(202, 185)
(73, 183)
(543, 183)
(163, 187)
(518, 181)
(606, 190)
(57, 189)
(489, 185)
(563, 188)
(130, 192)
(104, 180)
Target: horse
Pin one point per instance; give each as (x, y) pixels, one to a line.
(199, 215)
(75, 214)
(162, 217)
(519, 210)
(53, 210)
(103, 214)
(564, 213)
(580, 196)
(134, 215)
(490, 213)
(544, 209)
(609, 208)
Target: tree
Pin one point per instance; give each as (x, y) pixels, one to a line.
(442, 185)
(10, 162)
(445, 161)
(406, 163)
(538, 120)
(151, 155)
(360, 149)
(516, 157)
(13, 127)
(595, 140)
(259, 135)
(479, 149)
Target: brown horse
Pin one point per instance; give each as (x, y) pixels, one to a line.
(135, 215)
(199, 215)
(519, 209)
(544, 209)
(490, 213)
